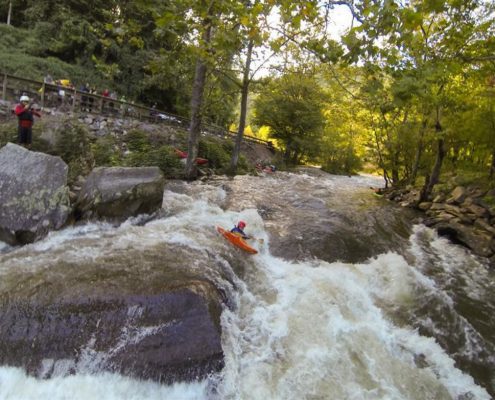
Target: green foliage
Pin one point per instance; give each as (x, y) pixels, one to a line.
(138, 141)
(74, 147)
(106, 152)
(340, 157)
(218, 152)
(8, 133)
(292, 107)
(163, 157)
(144, 153)
(19, 56)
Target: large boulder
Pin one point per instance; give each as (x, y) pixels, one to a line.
(34, 196)
(139, 312)
(117, 193)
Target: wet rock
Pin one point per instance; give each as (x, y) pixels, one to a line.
(171, 336)
(425, 205)
(141, 314)
(483, 224)
(458, 212)
(458, 195)
(463, 217)
(476, 240)
(437, 206)
(440, 198)
(118, 193)
(478, 211)
(34, 197)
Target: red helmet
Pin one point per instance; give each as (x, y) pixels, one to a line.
(241, 224)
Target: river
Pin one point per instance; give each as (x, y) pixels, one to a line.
(349, 297)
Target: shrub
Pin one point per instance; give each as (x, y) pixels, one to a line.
(73, 146)
(106, 152)
(163, 157)
(8, 133)
(138, 141)
(215, 152)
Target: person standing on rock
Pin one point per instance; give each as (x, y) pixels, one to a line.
(25, 114)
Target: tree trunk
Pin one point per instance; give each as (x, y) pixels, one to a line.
(492, 166)
(419, 152)
(242, 118)
(295, 158)
(435, 173)
(9, 13)
(288, 152)
(196, 103)
(381, 162)
(395, 170)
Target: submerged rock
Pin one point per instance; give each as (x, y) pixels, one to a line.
(34, 196)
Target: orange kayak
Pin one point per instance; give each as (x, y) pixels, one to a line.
(236, 240)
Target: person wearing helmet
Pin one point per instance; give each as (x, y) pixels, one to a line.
(239, 230)
(25, 116)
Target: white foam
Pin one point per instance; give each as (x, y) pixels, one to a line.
(15, 385)
(316, 329)
(299, 330)
(4, 247)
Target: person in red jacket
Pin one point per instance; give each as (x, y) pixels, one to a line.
(25, 114)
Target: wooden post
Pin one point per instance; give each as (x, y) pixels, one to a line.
(4, 87)
(43, 95)
(9, 13)
(73, 105)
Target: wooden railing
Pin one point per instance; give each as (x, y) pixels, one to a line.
(63, 98)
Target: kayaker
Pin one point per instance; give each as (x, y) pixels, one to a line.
(239, 229)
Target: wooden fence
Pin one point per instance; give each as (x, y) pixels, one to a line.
(64, 98)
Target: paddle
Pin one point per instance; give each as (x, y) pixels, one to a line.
(259, 240)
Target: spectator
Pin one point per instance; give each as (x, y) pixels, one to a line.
(25, 113)
(84, 99)
(66, 83)
(92, 90)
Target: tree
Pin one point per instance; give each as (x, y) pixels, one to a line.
(301, 29)
(197, 97)
(423, 45)
(292, 106)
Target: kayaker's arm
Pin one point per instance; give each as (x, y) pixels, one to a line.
(253, 238)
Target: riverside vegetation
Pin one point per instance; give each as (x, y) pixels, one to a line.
(87, 142)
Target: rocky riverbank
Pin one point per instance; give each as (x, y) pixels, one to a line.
(465, 215)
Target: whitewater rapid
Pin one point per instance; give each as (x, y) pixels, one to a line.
(297, 329)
